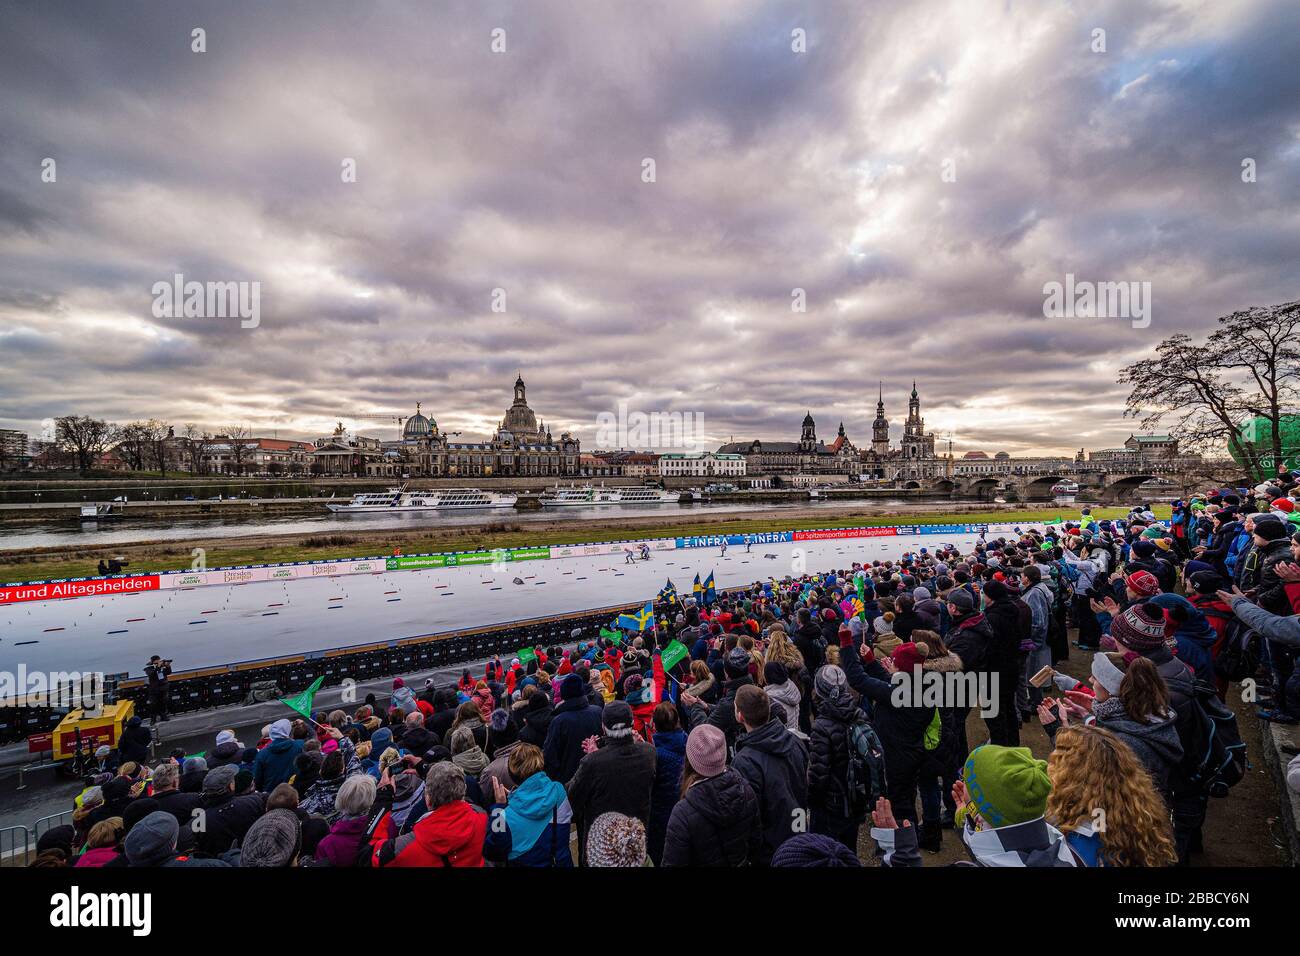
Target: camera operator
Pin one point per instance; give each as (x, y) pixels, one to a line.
(157, 670)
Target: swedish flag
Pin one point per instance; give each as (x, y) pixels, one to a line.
(697, 589)
(709, 593)
(639, 621)
(668, 593)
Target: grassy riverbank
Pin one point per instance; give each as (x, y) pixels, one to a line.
(70, 562)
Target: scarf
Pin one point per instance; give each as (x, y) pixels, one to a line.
(472, 761)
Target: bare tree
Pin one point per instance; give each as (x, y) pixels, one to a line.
(1246, 369)
(238, 436)
(133, 444)
(196, 446)
(84, 437)
(156, 435)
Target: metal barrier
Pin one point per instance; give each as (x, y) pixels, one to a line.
(49, 823)
(15, 845)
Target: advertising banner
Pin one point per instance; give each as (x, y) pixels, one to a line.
(830, 533)
(715, 540)
(56, 590)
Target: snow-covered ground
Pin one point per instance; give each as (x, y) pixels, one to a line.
(209, 626)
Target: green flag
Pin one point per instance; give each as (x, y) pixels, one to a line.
(674, 654)
(526, 654)
(615, 636)
(302, 702)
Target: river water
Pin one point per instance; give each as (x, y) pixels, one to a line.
(71, 532)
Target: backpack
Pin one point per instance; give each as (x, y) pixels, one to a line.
(1238, 658)
(1071, 571)
(1214, 753)
(865, 781)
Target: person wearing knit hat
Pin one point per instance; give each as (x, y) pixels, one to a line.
(1142, 584)
(617, 773)
(962, 600)
(275, 840)
(717, 821)
(1270, 527)
(1005, 786)
(908, 656)
(616, 840)
(814, 850)
(1002, 800)
(1139, 627)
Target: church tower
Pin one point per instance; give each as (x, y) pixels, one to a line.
(808, 436)
(915, 426)
(880, 427)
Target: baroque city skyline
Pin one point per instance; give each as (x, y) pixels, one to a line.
(919, 198)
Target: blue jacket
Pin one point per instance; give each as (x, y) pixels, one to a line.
(274, 763)
(1195, 635)
(670, 756)
(538, 817)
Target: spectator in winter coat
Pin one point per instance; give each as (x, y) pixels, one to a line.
(829, 799)
(1283, 634)
(618, 774)
(135, 740)
(535, 718)
(1131, 701)
(166, 790)
(1009, 628)
(670, 753)
(723, 714)
(774, 762)
(104, 844)
(900, 725)
(226, 817)
(1194, 638)
(716, 821)
(575, 720)
(274, 764)
(403, 696)
(453, 833)
(537, 813)
(1002, 802)
(227, 750)
(343, 845)
(781, 689)
(1141, 628)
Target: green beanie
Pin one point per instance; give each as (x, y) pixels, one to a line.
(1006, 784)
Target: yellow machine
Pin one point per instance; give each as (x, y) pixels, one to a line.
(103, 729)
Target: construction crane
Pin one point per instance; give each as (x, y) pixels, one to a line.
(385, 417)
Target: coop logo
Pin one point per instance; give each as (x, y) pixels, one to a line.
(208, 300)
(75, 909)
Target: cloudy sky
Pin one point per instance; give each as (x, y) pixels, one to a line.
(522, 171)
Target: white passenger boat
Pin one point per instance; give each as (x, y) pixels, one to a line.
(585, 496)
(398, 500)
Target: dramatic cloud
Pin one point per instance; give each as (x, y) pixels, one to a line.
(522, 171)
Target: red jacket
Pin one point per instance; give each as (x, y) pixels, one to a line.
(451, 835)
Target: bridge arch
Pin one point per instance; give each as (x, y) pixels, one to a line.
(1121, 488)
(983, 488)
(1040, 486)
